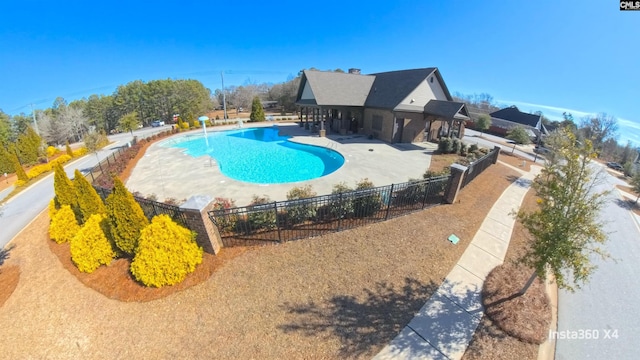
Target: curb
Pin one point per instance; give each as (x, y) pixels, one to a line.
(547, 350)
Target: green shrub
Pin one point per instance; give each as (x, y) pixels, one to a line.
(126, 218)
(365, 202)
(262, 214)
(224, 219)
(64, 225)
(298, 210)
(456, 144)
(89, 202)
(166, 253)
(340, 206)
(90, 247)
(464, 149)
(473, 148)
(445, 145)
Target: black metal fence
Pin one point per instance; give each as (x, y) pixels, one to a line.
(152, 208)
(100, 169)
(477, 167)
(296, 219)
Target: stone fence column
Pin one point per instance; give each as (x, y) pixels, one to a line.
(195, 211)
(455, 182)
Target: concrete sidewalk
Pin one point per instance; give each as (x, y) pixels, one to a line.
(445, 325)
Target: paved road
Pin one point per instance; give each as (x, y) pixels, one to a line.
(20, 210)
(490, 141)
(606, 307)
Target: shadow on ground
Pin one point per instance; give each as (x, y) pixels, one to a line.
(361, 324)
(415, 319)
(4, 253)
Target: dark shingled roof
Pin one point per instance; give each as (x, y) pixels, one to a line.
(390, 88)
(514, 115)
(333, 88)
(446, 109)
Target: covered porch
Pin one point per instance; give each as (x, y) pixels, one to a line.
(331, 119)
(444, 119)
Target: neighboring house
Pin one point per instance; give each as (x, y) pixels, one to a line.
(506, 119)
(397, 106)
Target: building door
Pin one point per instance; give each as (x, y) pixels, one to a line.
(398, 126)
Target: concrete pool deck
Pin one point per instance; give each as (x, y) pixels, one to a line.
(170, 173)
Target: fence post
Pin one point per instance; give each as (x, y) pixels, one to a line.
(340, 210)
(275, 208)
(455, 182)
(427, 188)
(496, 149)
(195, 212)
(386, 215)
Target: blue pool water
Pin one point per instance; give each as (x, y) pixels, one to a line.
(260, 155)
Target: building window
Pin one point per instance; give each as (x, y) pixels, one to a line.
(377, 122)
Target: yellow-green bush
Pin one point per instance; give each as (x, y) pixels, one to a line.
(126, 217)
(90, 247)
(60, 159)
(80, 152)
(166, 253)
(20, 183)
(51, 150)
(52, 209)
(185, 125)
(37, 170)
(63, 226)
(89, 201)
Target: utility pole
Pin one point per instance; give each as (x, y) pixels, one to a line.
(224, 97)
(35, 123)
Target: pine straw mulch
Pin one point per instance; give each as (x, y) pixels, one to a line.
(343, 295)
(490, 341)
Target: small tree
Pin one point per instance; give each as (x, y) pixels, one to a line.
(64, 225)
(129, 122)
(519, 136)
(483, 123)
(63, 188)
(89, 201)
(635, 183)
(257, 112)
(166, 253)
(126, 218)
(90, 247)
(565, 228)
(68, 149)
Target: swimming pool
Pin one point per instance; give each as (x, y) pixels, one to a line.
(260, 155)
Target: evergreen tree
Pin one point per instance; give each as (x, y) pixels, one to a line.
(257, 112)
(90, 247)
(6, 162)
(89, 201)
(483, 123)
(126, 217)
(29, 146)
(17, 167)
(63, 187)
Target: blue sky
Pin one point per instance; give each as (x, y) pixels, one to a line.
(554, 56)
